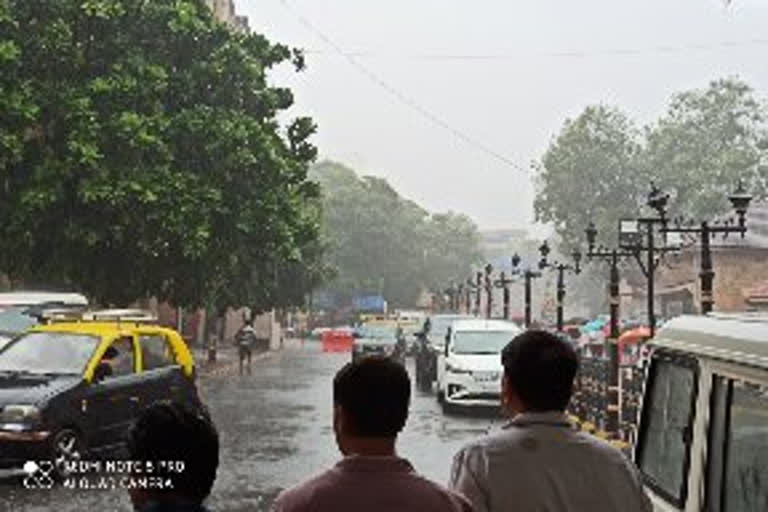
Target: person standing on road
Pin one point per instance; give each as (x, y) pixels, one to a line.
(371, 399)
(245, 340)
(539, 461)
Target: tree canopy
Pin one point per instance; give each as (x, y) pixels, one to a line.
(599, 167)
(141, 154)
(384, 244)
(590, 173)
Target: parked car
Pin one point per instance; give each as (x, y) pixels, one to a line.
(379, 340)
(431, 342)
(703, 432)
(22, 310)
(469, 370)
(71, 390)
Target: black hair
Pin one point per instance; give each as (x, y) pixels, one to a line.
(540, 368)
(374, 394)
(111, 352)
(174, 433)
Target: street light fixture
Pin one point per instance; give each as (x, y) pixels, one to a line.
(561, 268)
(488, 290)
(503, 282)
(528, 276)
(740, 201)
(612, 347)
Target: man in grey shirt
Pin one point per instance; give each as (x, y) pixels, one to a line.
(371, 398)
(539, 462)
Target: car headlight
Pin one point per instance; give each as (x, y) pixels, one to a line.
(19, 414)
(452, 368)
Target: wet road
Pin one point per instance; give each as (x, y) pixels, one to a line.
(275, 429)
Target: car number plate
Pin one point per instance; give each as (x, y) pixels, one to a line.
(487, 376)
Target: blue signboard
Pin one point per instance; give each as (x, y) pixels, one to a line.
(369, 304)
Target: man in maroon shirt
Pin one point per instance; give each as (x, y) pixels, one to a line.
(371, 399)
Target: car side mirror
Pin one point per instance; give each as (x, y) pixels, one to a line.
(102, 371)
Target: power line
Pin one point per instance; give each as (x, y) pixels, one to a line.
(580, 54)
(403, 98)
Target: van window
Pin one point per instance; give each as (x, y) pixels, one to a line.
(746, 485)
(665, 435)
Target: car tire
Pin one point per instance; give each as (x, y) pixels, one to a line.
(440, 396)
(67, 445)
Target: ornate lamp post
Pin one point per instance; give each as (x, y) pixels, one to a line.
(528, 276)
(561, 269)
(468, 287)
(740, 201)
(612, 349)
(503, 282)
(488, 286)
(631, 233)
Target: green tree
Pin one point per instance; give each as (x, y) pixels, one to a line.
(706, 141)
(379, 242)
(590, 173)
(142, 154)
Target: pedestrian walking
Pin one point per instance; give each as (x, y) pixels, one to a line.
(371, 399)
(539, 461)
(246, 339)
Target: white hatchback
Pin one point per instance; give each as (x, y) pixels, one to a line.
(469, 370)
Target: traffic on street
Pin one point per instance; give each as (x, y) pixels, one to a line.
(276, 429)
(310, 256)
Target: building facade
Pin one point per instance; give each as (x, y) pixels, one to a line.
(224, 11)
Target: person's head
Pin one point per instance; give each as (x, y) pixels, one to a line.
(539, 369)
(371, 399)
(171, 432)
(110, 354)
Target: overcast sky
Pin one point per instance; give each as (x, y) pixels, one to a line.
(503, 73)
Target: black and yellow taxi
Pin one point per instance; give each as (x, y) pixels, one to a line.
(71, 389)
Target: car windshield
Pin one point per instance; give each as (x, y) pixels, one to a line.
(440, 326)
(481, 342)
(13, 321)
(48, 352)
(377, 333)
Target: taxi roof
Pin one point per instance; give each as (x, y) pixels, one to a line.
(740, 338)
(93, 328)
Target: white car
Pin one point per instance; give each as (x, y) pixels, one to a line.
(469, 370)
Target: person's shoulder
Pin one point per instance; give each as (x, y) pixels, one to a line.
(456, 501)
(603, 449)
(299, 497)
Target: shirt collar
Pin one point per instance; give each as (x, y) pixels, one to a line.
(362, 463)
(549, 418)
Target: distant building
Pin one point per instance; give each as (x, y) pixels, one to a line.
(224, 10)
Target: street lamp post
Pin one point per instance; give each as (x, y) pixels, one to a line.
(478, 292)
(740, 200)
(561, 269)
(612, 256)
(468, 287)
(631, 239)
(488, 291)
(503, 282)
(528, 276)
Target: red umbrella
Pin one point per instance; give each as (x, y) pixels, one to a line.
(635, 335)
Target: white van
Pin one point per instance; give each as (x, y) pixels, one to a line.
(469, 370)
(703, 433)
